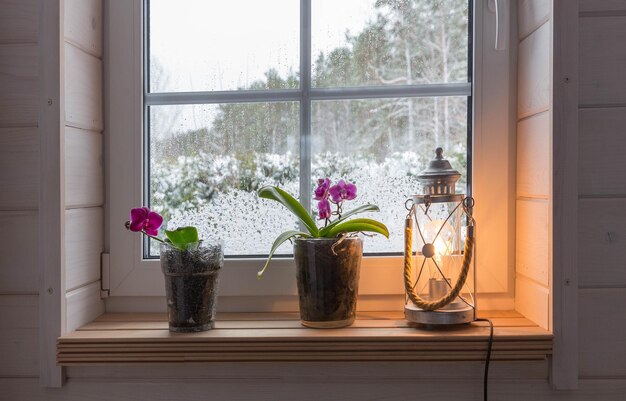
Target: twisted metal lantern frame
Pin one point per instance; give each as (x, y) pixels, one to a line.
(467, 204)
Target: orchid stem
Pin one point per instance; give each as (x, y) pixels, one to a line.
(153, 237)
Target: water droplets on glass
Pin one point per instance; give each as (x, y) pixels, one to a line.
(208, 161)
(382, 145)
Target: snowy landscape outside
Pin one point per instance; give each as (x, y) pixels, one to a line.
(208, 160)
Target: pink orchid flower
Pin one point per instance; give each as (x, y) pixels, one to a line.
(323, 209)
(341, 191)
(321, 192)
(144, 219)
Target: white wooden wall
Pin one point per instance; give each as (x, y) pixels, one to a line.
(84, 176)
(19, 191)
(602, 190)
(29, 134)
(534, 165)
(602, 210)
(435, 381)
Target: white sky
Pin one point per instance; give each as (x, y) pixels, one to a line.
(220, 45)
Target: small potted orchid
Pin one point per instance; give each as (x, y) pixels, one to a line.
(327, 258)
(191, 267)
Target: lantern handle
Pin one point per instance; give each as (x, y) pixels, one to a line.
(406, 205)
(468, 208)
(468, 204)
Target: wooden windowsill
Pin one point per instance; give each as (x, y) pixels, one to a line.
(115, 338)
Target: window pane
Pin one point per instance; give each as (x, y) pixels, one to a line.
(200, 45)
(389, 42)
(382, 145)
(207, 161)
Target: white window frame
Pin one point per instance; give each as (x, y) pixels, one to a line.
(493, 147)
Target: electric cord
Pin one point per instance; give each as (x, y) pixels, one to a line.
(487, 360)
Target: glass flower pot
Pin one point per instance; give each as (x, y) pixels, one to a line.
(191, 285)
(327, 273)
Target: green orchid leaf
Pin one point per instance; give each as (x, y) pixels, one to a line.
(182, 237)
(282, 197)
(356, 225)
(287, 235)
(361, 209)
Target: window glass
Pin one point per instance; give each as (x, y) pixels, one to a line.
(207, 161)
(382, 145)
(200, 45)
(219, 123)
(389, 42)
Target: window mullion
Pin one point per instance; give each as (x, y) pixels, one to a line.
(217, 97)
(289, 95)
(392, 91)
(305, 103)
(145, 179)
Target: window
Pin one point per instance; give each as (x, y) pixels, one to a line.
(285, 91)
(242, 94)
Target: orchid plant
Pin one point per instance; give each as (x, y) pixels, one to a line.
(336, 223)
(148, 222)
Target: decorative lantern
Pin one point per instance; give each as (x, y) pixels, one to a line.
(439, 277)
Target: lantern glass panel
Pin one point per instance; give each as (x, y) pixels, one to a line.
(442, 225)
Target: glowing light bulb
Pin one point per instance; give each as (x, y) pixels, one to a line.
(444, 234)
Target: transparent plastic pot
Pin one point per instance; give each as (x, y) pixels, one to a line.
(327, 274)
(191, 285)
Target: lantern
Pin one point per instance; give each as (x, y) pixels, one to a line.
(439, 274)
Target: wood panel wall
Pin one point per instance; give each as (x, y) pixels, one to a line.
(602, 189)
(33, 90)
(19, 189)
(84, 176)
(534, 164)
(312, 382)
(565, 196)
(601, 234)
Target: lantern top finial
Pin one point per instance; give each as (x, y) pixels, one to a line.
(439, 178)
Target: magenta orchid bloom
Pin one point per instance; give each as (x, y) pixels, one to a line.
(336, 223)
(323, 209)
(321, 192)
(147, 222)
(341, 191)
(326, 193)
(144, 219)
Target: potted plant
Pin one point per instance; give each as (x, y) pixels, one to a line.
(191, 267)
(327, 258)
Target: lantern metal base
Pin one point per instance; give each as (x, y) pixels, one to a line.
(440, 317)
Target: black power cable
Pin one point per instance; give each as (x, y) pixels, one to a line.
(487, 360)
